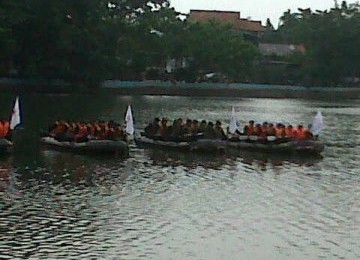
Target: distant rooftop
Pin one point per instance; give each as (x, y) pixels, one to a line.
(229, 17)
(278, 49)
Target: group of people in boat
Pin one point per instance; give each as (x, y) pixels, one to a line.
(278, 130)
(69, 131)
(184, 130)
(5, 132)
(191, 130)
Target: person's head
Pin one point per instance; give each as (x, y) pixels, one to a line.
(271, 125)
(218, 123)
(203, 123)
(290, 127)
(265, 123)
(188, 122)
(251, 122)
(300, 127)
(210, 124)
(156, 120)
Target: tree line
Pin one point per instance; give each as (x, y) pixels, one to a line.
(89, 41)
(331, 39)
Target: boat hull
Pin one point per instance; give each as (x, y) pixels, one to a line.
(305, 146)
(97, 147)
(208, 145)
(203, 145)
(5, 145)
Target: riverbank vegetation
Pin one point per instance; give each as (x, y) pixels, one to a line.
(85, 42)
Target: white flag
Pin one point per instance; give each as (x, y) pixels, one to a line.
(233, 122)
(317, 124)
(129, 121)
(15, 117)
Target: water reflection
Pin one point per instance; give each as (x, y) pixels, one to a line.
(5, 172)
(278, 159)
(82, 169)
(166, 157)
(170, 205)
(47, 223)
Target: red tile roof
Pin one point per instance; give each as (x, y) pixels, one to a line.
(226, 17)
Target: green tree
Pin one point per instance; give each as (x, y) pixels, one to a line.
(330, 38)
(77, 41)
(216, 47)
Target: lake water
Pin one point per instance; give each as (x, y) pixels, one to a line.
(171, 205)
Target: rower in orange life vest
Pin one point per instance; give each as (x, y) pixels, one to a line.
(289, 131)
(249, 128)
(4, 129)
(301, 133)
(2, 133)
(280, 130)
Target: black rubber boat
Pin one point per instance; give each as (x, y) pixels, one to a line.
(98, 147)
(276, 145)
(5, 145)
(201, 145)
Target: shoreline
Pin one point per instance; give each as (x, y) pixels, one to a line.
(152, 87)
(226, 90)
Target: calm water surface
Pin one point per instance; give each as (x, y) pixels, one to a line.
(170, 205)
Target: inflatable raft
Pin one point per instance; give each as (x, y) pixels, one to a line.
(271, 144)
(5, 145)
(204, 145)
(98, 147)
(252, 143)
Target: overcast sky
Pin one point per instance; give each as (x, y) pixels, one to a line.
(256, 9)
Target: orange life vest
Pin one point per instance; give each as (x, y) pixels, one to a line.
(308, 134)
(250, 130)
(83, 130)
(256, 131)
(289, 132)
(2, 132)
(6, 128)
(300, 134)
(278, 132)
